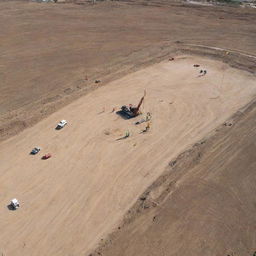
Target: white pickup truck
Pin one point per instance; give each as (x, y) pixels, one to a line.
(15, 204)
(61, 124)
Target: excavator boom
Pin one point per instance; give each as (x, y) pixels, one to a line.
(137, 109)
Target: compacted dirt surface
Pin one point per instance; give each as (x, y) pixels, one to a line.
(52, 53)
(193, 170)
(202, 205)
(72, 200)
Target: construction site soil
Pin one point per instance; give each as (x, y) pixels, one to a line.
(186, 186)
(51, 54)
(203, 204)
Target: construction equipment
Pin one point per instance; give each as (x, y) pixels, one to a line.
(130, 111)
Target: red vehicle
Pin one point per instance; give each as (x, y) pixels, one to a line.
(46, 156)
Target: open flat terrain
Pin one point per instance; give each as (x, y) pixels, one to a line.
(77, 197)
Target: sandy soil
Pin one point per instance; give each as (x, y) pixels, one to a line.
(71, 201)
(202, 204)
(47, 50)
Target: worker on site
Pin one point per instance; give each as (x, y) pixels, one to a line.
(147, 127)
(127, 134)
(148, 117)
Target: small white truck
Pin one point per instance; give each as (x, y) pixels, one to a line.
(61, 124)
(15, 204)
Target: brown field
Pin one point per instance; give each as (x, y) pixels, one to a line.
(48, 50)
(197, 198)
(93, 178)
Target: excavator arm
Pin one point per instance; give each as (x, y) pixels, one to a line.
(137, 109)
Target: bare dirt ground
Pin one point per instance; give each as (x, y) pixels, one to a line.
(48, 50)
(77, 197)
(50, 55)
(202, 204)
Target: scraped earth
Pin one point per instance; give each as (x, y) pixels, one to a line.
(74, 199)
(202, 204)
